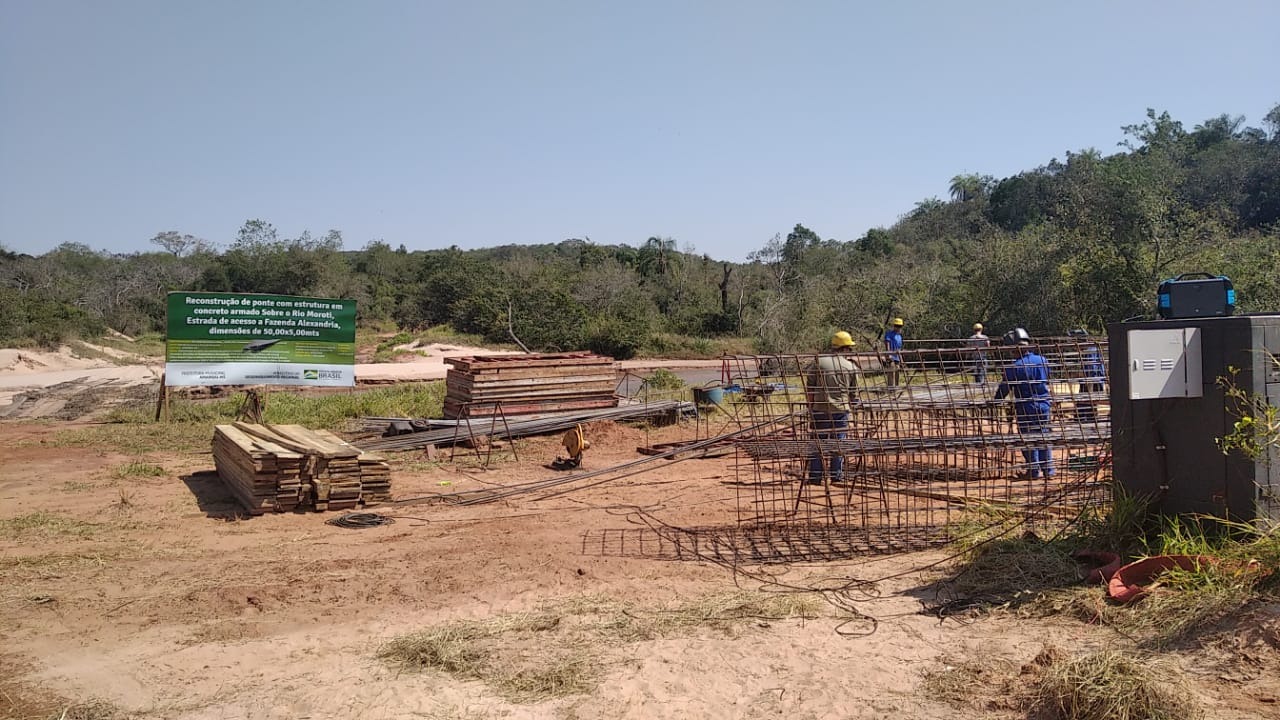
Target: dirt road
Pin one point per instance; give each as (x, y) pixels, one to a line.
(133, 586)
(28, 378)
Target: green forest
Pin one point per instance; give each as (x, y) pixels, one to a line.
(1076, 242)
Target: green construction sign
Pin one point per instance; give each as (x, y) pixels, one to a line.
(236, 339)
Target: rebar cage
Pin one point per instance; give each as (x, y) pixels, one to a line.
(928, 451)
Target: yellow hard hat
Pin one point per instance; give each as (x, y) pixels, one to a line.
(897, 322)
(977, 326)
(841, 339)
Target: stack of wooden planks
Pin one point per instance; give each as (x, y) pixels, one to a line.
(529, 383)
(283, 467)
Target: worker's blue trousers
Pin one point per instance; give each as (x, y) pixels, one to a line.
(1033, 419)
(828, 426)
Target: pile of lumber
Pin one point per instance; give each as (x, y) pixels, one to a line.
(528, 384)
(282, 467)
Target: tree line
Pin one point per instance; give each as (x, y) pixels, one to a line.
(1077, 242)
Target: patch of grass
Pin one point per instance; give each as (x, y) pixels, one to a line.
(386, 349)
(45, 524)
(147, 344)
(92, 710)
(137, 469)
(39, 566)
(573, 674)
(76, 486)
(664, 379)
(623, 622)
(1185, 602)
(685, 347)
(1000, 566)
(1111, 685)
(445, 335)
(1015, 570)
(333, 411)
(138, 438)
(452, 712)
(124, 503)
(556, 651)
(967, 683)
(468, 649)
(329, 410)
(82, 350)
(411, 462)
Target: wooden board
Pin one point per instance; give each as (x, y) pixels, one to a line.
(453, 409)
(531, 360)
(283, 467)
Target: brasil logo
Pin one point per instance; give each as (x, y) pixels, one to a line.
(310, 374)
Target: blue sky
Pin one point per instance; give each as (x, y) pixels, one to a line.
(483, 123)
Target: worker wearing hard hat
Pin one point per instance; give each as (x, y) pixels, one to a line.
(978, 344)
(1027, 379)
(829, 389)
(893, 345)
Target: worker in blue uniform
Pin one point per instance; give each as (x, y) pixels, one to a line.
(893, 346)
(1027, 380)
(1093, 376)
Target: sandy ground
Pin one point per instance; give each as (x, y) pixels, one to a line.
(21, 369)
(27, 375)
(132, 581)
(430, 365)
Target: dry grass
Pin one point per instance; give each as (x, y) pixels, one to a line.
(124, 503)
(20, 701)
(442, 711)
(1184, 604)
(558, 650)
(969, 684)
(92, 710)
(40, 566)
(539, 677)
(454, 648)
(43, 524)
(138, 438)
(1111, 685)
(1014, 571)
(137, 469)
(1108, 685)
(624, 622)
(505, 652)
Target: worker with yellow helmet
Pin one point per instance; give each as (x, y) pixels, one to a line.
(893, 344)
(978, 344)
(829, 389)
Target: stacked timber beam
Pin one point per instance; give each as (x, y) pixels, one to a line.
(282, 467)
(527, 384)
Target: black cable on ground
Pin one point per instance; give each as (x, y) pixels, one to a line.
(358, 521)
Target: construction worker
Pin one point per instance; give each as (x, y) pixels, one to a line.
(893, 345)
(1027, 379)
(1093, 376)
(829, 389)
(978, 344)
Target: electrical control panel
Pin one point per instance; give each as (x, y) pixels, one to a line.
(1178, 387)
(1165, 363)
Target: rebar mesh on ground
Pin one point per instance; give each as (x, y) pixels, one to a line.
(757, 544)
